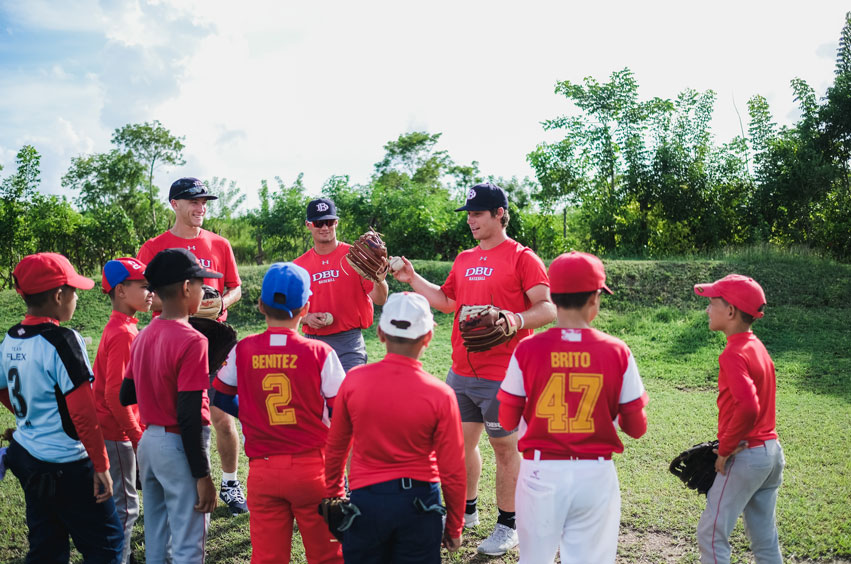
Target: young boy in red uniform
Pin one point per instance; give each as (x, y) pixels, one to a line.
(404, 428)
(57, 451)
(750, 459)
(168, 374)
(286, 385)
(569, 384)
(127, 288)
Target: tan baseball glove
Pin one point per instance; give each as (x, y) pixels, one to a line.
(485, 326)
(368, 256)
(212, 306)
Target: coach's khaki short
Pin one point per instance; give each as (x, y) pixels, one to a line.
(477, 402)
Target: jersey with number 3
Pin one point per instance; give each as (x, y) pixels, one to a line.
(576, 382)
(41, 365)
(284, 382)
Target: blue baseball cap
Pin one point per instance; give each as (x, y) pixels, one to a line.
(286, 286)
(321, 208)
(483, 197)
(119, 270)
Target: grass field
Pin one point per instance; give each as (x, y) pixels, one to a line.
(807, 329)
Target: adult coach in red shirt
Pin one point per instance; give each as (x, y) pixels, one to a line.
(188, 198)
(338, 291)
(404, 429)
(502, 272)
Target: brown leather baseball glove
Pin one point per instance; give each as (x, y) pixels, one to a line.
(221, 338)
(368, 256)
(484, 327)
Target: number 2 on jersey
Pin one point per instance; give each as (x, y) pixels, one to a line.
(552, 404)
(276, 402)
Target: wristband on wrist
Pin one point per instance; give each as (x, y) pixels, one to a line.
(522, 321)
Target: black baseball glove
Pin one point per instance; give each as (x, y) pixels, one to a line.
(484, 327)
(696, 466)
(221, 338)
(368, 256)
(338, 513)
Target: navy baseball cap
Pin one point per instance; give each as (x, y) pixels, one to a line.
(483, 197)
(175, 265)
(320, 209)
(286, 286)
(189, 189)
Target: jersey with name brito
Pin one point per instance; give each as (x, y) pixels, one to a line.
(576, 382)
(337, 289)
(500, 276)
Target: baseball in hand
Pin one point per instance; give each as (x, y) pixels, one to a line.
(329, 319)
(396, 263)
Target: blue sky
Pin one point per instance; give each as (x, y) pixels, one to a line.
(261, 89)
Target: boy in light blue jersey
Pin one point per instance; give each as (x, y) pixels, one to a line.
(57, 451)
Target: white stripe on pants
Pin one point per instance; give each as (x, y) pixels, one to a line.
(749, 488)
(571, 504)
(170, 494)
(122, 470)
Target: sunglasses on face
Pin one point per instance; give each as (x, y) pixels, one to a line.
(324, 222)
(191, 191)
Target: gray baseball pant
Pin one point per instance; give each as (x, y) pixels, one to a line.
(170, 496)
(122, 470)
(748, 488)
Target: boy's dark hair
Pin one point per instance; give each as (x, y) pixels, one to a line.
(170, 291)
(575, 300)
(111, 293)
(746, 317)
(505, 217)
(38, 300)
(280, 314)
(402, 340)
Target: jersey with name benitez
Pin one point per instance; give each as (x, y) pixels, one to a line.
(747, 387)
(213, 253)
(283, 381)
(500, 276)
(337, 289)
(41, 365)
(167, 357)
(575, 382)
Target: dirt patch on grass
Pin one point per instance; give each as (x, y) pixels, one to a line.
(650, 546)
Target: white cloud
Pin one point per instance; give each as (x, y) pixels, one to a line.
(276, 88)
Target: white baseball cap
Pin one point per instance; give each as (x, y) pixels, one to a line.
(406, 315)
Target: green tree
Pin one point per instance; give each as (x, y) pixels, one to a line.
(113, 179)
(150, 144)
(16, 193)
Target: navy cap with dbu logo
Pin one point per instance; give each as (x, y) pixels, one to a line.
(320, 209)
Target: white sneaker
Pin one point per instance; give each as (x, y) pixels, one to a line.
(502, 540)
(471, 519)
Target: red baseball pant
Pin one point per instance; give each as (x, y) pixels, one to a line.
(282, 487)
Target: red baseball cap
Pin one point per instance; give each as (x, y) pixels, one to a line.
(743, 292)
(575, 272)
(43, 271)
(119, 270)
